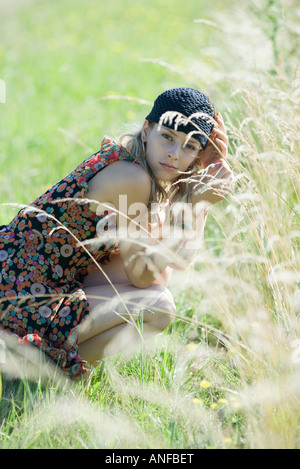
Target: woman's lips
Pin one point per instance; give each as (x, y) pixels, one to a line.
(168, 167)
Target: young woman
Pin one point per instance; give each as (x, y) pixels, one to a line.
(84, 268)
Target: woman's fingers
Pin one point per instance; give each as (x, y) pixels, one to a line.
(220, 122)
(217, 147)
(219, 170)
(221, 147)
(219, 136)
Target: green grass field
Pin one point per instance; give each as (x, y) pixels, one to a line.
(226, 372)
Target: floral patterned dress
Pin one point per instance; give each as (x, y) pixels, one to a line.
(43, 260)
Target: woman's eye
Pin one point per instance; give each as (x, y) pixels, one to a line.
(167, 136)
(190, 147)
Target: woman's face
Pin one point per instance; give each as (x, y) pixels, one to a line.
(168, 153)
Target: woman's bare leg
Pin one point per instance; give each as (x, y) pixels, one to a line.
(112, 325)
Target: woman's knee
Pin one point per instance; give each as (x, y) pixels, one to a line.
(162, 312)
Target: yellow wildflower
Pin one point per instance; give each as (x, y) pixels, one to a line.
(214, 406)
(197, 401)
(205, 384)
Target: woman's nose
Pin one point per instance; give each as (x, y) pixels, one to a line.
(174, 151)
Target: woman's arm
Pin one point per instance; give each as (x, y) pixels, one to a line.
(126, 188)
(216, 181)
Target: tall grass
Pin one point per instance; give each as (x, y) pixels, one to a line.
(226, 373)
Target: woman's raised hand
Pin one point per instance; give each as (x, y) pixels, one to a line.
(217, 146)
(216, 179)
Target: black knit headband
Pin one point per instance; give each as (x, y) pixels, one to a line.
(186, 102)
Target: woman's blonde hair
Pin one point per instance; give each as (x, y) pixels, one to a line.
(161, 192)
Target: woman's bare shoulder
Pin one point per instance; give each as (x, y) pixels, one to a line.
(120, 177)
